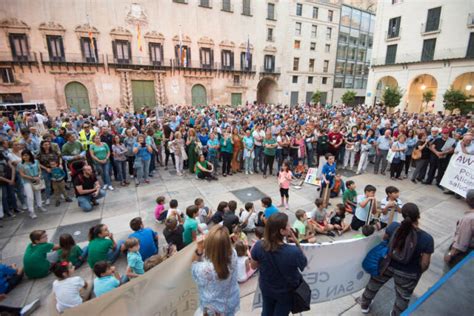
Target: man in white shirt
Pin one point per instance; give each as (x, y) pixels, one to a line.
(258, 136)
(102, 122)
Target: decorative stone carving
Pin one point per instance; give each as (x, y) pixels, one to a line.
(205, 42)
(227, 44)
(136, 15)
(186, 39)
(14, 24)
(52, 26)
(154, 36)
(86, 28)
(270, 49)
(120, 33)
(243, 46)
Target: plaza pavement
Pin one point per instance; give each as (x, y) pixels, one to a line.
(439, 215)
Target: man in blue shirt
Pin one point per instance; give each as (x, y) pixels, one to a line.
(270, 209)
(382, 146)
(147, 238)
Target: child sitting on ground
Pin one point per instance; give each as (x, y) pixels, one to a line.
(190, 227)
(238, 235)
(134, 259)
(58, 184)
(10, 276)
(304, 235)
(160, 213)
(155, 260)
(174, 212)
(71, 252)
(244, 271)
(69, 291)
(174, 233)
(319, 220)
(204, 215)
(38, 256)
(337, 219)
(349, 197)
(146, 236)
(337, 187)
(390, 205)
(107, 278)
(248, 218)
(300, 169)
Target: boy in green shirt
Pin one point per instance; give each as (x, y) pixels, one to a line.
(349, 198)
(300, 226)
(190, 225)
(35, 261)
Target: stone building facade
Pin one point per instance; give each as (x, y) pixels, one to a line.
(129, 54)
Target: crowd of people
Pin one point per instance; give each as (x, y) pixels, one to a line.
(42, 158)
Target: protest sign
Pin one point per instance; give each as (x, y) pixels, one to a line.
(334, 269)
(312, 177)
(166, 290)
(459, 176)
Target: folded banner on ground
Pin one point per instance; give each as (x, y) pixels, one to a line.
(312, 177)
(459, 176)
(334, 269)
(167, 289)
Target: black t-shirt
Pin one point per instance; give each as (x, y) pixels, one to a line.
(230, 220)
(175, 237)
(5, 171)
(439, 143)
(86, 182)
(217, 217)
(323, 144)
(425, 152)
(424, 244)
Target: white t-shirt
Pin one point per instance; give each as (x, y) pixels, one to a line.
(241, 269)
(103, 123)
(67, 292)
(260, 134)
(170, 211)
(384, 217)
(251, 221)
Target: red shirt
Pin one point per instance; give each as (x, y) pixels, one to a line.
(334, 138)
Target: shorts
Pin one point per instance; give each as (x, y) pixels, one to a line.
(284, 192)
(356, 223)
(13, 281)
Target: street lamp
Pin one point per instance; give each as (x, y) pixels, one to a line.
(423, 87)
(468, 87)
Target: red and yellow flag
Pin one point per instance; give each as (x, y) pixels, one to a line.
(91, 38)
(139, 38)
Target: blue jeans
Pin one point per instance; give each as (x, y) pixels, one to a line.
(47, 182)
(121, 167)
(85, 203)
(258, 159)
(152, 162)
(276, 307)
(113, 254)
(143, 171)
(104, 172)
(8, 198)
(20, 192)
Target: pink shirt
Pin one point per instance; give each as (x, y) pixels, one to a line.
(284, 179)
(158, 210)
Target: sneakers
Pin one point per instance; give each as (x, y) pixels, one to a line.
(57, 203)
(331, 234)
(30, 308)
(68, 199)
(47, 202)
(362, 309)
(33, 215)
(23, 207)
(105, 187)
(42, 209)
(111, 188)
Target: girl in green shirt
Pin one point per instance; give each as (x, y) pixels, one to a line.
(70, 251)
(100, 153)
(269, 150)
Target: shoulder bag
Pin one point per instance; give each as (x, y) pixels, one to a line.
(301, 295)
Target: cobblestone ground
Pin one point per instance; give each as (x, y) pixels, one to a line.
(439, 215)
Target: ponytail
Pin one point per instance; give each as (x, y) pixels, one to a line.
(94, 231)
(411, 214)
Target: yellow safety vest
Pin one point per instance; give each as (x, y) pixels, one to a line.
(83, 138)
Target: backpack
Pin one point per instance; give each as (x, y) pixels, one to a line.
(404, 255)
(374, 257)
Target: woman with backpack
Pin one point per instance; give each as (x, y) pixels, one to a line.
(409, 255)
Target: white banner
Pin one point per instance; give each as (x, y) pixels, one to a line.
(334, 269)
(459, 176)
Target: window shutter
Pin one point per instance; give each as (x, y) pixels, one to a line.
(150, 51)
(114, 49)
(232, 60)
(211, 58)
(12, 44)
(129, 51)
(96, 52)
(188, 56)
(83, 48)
(61, 48)
(50, 50)
(161, 54)
(250, 61)
(201, 60)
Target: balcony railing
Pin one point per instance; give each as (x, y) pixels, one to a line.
(424, 30)
(393, 35)
(71, 59)
(275, 70)
(7, 57)
(470, 20)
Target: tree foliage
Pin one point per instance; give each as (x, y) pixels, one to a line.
(392, 96)
(316, 97)
(348, 97)
(428, 96)
(454, 99)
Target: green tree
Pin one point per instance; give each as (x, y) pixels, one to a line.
(316, 96)
(392, 96)
(348, 97)
(454, 99)
(428, 96)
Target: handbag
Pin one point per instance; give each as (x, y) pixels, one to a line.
(301, 294)
(390, 155)
(416, 154)
(38, 186)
